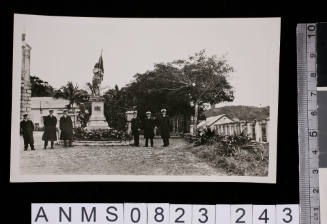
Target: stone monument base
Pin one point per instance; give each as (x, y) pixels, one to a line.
(97, 119)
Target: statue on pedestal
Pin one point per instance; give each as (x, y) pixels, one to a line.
(97, 119)
(97, 77)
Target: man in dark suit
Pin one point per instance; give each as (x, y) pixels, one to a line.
(66, 128)
(27, 128)
(49, 134)
(148, 128)
(164, 127)
(135, 123)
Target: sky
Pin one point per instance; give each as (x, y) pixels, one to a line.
(66, 49)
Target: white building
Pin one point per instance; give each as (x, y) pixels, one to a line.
(212, 122)
(40, 107)
(257, 130)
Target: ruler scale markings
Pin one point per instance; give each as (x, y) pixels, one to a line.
(308, 124)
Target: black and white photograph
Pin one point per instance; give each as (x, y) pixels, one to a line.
(144, 99)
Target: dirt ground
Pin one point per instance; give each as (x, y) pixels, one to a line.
(115, 160)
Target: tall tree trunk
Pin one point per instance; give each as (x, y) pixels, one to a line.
(185, 123)
(196, 113)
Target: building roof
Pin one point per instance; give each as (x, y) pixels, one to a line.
(210, 121)
(241, 112)
(49, 103)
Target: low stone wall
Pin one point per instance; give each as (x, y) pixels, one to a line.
(99, 143)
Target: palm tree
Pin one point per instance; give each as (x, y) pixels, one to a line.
(71, 93)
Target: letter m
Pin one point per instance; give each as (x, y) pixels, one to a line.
(88, 217)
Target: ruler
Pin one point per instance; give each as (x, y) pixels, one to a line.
(308, 123)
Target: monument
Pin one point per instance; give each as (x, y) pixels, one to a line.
(97, 119)
(25, 94)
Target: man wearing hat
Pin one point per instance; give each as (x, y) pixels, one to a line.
(148, 128)
(164, 127)
(66, 128)
(27, 128)
(49, 134)
(135, 123)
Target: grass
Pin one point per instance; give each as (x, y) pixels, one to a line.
(250, 160)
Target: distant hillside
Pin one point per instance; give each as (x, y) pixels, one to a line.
(247, 113)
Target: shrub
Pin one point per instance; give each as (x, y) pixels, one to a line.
(229, 143)
(207, 136)
(232, 143)
(99, 135)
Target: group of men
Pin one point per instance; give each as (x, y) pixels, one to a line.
(50, 130)
(148, 126)
(66, 128)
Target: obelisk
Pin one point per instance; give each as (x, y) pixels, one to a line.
(25, 97)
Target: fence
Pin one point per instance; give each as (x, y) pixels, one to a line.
(256, 130)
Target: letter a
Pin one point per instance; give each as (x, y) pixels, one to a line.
(39, 215)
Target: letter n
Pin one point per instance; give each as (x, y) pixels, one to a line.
(62, 212)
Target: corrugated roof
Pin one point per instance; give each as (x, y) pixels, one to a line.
(210, 121)
(49, 102)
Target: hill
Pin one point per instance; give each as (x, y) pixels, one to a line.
(248, 113)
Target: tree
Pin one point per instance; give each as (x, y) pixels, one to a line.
(205, 80)
(116, 104)
(40, 88)
(181, 84)
(72, 93)
(156, 89)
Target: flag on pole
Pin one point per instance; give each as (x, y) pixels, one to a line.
(100, 63)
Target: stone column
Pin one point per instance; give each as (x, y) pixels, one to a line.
(192, 126)
(129, 117)
(258, 132)
(249, 130)
(241, 127)
(25, 95)
(267, 130)
(191, 129)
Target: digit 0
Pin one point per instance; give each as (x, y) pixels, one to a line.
(138, 215)
(314, 113)
(311, 27)
(313, 134)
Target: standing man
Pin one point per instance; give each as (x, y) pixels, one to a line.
(135, 128)
(164, 127)
(148, 128)
(27, 128)
(66, 128)
(49, 134)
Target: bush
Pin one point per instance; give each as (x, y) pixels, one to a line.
(207, 136)
(100, 135)
(244, 162)
(229, 143)
(232, 143)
